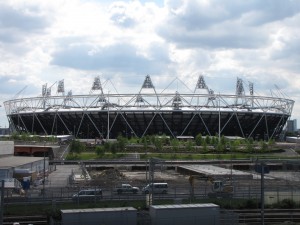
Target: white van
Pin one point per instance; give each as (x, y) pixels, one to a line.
(88, 194)
(159, 188)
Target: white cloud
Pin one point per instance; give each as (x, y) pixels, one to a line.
(75, 40)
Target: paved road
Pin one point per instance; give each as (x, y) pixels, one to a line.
(60, 176)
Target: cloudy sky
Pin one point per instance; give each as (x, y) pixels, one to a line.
(123, 41)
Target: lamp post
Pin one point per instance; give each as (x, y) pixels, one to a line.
(44, 174)
(108, 116)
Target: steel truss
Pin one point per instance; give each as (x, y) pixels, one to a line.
(173, 114)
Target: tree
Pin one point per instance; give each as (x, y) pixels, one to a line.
(249, 146)
(106, 146)
(158, 143)
(204, 145)
(100, 151)
(207, 139)
(25, 136)
(145, 143)
(219, 147)
(189, 146)
(198, 140)
(77, 147)
(15, 136)
(175, 144)
(223, 140)
(263, 146)
(233, 146)
(113, 147)
(121, 142)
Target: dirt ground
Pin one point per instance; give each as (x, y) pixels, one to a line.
(114, 177)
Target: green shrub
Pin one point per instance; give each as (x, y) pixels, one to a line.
(285, 204)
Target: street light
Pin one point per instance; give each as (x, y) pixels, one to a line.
(44, 175)
(108, 116)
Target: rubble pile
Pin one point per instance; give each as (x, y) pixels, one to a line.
(112, 174)
(108, 177)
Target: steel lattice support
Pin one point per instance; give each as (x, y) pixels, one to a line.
(174, 114)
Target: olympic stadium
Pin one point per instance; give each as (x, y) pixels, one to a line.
(151, 112)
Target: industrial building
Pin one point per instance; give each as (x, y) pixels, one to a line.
(14, 169)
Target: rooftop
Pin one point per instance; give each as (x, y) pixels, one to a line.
(15, 161)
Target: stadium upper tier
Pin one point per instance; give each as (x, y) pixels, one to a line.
(100, 115)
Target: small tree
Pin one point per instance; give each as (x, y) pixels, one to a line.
(77, 147)
(175, 144)
(223, 140)
(25, 136)
(189, 146)
(204, 145)
(207, 139)
(15, 136)
(158, 143)
(113, 148)
(219, 147)
(107, 146)
(249, 146)
(198, 139)
(145, 143)
(263, 146)
(100, 151)
(121, 142)
(233, 146)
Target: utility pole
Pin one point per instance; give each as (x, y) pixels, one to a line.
(262, 190)
(2, 202)
(262, 168)
(44, 174)
(152, 163)
(108, 116)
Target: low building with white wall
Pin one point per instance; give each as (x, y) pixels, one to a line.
(6, 148)
(96, 216)
(191, 214)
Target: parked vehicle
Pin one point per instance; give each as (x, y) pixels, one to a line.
(160, 188)
(220, 188)
(126, 188)
(88, 194)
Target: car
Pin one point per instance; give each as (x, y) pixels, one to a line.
(88, 195)
(159, 188)
(126, 188)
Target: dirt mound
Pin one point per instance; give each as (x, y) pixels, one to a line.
(112, 174)
(107, 177)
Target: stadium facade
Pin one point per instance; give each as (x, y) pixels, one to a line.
(147, 112)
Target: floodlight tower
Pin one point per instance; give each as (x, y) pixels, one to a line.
(61, 87)
(251, 90)
(98, 87)
(177, 103)
(202, 85)
(240, 92)
(149, 85)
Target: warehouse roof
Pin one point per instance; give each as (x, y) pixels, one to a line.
(15, 161)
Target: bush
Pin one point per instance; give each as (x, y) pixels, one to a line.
(286, 204)
(100, 151)
(251, 204)
(77, 147)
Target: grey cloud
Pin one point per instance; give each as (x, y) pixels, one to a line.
(270, 10)
(291, 49)
(16, 24)
(227, 36)
(123, 20)
(119, 57)
(120, 17)
(12, 18)
(224, 24)
(12, 88)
